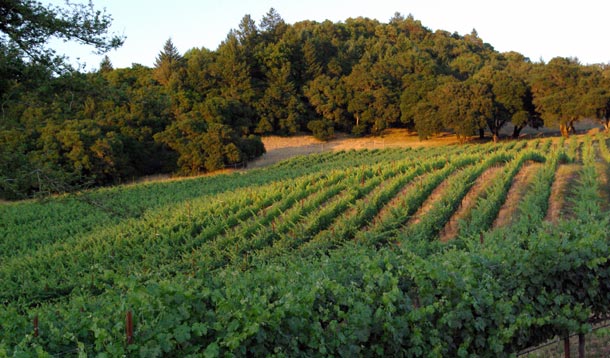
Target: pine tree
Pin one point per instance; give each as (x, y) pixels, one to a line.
(167, 63)
(106, 65)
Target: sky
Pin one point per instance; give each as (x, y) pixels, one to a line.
(538, 29)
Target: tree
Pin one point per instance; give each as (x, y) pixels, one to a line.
(272, 26)
(168, 63)
(327, 96)
(462, 106)
(28, 25)
(279, 108)
(415, 91)
(247, 33)
(322, 129)
(595, 102)
(511, 96)
(32, 98)
(211, 135)
(373, 87)
(557, 94)
(106, 65)
(233, 72)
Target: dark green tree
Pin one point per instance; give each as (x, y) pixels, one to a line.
(28, 25)
(557, 94)
(272, 26)
(168, 63)
(416, 104)
(373, 90)
(511, 95)
(279, 108)
(106, 65)
(595, 102)
(463, 107)
(210, 136)
(327, 96)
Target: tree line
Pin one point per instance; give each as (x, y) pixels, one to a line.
(206, 109)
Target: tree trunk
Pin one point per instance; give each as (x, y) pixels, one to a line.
(606, 124)
(565, 132)
(517, 131)
(571, 127)
(581, 345)
(495, 137)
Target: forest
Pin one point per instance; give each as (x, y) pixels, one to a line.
(63, 129)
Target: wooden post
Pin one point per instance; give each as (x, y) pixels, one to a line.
(129, 327)
(36, 326)
(566, 347)
(581, 345)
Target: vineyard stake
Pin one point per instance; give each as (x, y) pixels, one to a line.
(36, 326)
(129, 327)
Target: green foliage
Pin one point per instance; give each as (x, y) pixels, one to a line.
(462, 106)
(289, 261)
(28, 25)
(168, 63)
(557, 93)
(194, 112)
(252, 147)
(322, 129)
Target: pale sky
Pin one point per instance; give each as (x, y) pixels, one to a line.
(538, 29)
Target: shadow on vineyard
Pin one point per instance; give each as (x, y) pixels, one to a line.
(329, 254)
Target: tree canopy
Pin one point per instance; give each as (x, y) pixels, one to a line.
(27, 26)
(203, 109)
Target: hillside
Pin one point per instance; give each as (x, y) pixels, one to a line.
(204, 110)
(384, 252)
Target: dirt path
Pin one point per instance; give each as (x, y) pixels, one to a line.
(603, 171)
(508, 211)
(281, 148)
(386, 210)
(451, 229)
(435, 196)
(565, 176)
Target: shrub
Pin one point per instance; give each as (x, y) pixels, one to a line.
(322, 129)
(252, 146)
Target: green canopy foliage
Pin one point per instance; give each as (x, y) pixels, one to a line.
(27, 25)
(199, 111)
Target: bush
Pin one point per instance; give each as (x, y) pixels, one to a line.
(322, 129)
(359, 130)
(252, 146)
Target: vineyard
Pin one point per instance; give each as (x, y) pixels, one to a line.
(457, 251)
